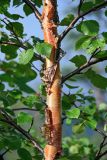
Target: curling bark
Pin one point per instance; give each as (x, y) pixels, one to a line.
(49, 23)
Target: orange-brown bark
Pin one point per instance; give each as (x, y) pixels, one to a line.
(53, 148)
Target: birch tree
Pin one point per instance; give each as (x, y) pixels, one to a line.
(19, 102)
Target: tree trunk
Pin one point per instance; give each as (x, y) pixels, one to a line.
(53, 111)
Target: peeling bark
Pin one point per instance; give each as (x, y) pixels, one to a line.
(49, 23)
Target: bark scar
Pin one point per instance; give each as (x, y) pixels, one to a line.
(48, 77)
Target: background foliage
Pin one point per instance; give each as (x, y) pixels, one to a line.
(22, 107)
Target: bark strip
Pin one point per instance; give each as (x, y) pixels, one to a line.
(53, 119)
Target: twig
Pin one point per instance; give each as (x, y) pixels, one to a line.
(100, 148)
(35, 67)
(4, 152)
(21, 44)
(34, 9)
(104, 144)
(100, 132)
(9, 43)
(12, 30)
(78, 70)
(39, 57)
(31, 125)
(97, 50)
(7, 119)
(80, 5)
(27, 109)
(101, 155)
(64, 33)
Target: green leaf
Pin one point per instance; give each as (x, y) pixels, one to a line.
(86, 6)
(95, 44)
(12, 142)
(96, 79)
(66, 104)
(32, 100)
(91, 123)
(4, 4)
(10, 51)
(17, 2)
(79, 60)
(74, 149)
(24, 154)
(101, 54)
(38, 3)
(83, 42)
(2, 86)
(105, 128)
(71, 87)
(89, 27)
(102, 106)
(106, 13)
(68, 121)
(105, 36)
(24, 118)
(27, 10)
(67, 20)
(12, 16)
(78, 128)
(89, 110)
(22, 86)
(16, 27)
(42, 89)
(106, 69)
(73, 113)
(44, 49)
(26, 56)
(91, 91)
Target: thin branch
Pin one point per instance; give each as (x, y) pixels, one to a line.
(27, 109)
(64, 33)
(4, 152)
(7, 119)
(9, 43)
(39, 57)
(100, 132)
(101, 155)
(78, 70)
(100, 148)
(34, 9)
(31, 125)
(96, 129)
(104, 144)
(21, 44)
(80, 5)
(35, 67)
(97, 50)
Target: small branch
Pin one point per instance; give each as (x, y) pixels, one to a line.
(97, 50)
(65, 32)
(7, 119)
(34, 9)
(9, 43)
(100, 148)
(35, 67)
(31, 125)
(80, 5)
(78, 70)
(27, 109)
(14, 33)
(100, 132)
(101, 155)
(39, 57)
(4, 152)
